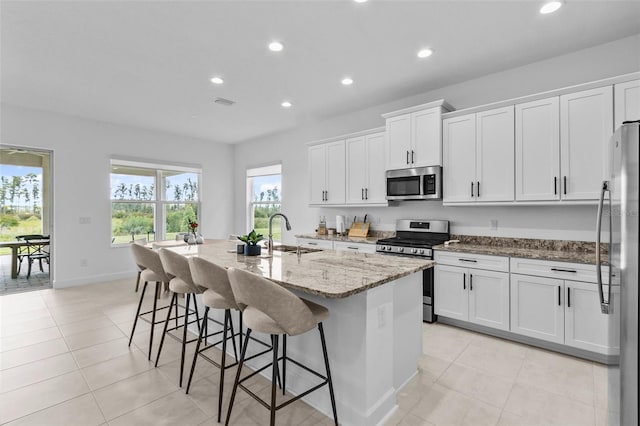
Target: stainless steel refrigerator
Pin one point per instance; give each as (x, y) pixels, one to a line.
(619, 207)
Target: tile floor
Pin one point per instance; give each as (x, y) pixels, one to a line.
(64, 360)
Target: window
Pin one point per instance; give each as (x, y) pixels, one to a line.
(264, 195)
(152, 201)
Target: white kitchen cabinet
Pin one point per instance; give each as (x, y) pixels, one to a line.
(536, 307)
(626, 102)
(315, 243)
(459, 158)
(450, 292)
(478, 159)
(586, 124)
(585, 326)
(354, 247)
(537, 165)
(470, 294)
(366, 183)
(327, 169)
(414, 136)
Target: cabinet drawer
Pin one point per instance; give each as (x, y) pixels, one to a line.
(310, 242)
(354, 247)
(561, 270)
(470, 260)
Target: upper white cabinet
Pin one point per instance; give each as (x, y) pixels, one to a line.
(366, 182)
(327, 173)
(538, 150)
(414, 136)
(478, 156)
(586, 124)
(627, 102)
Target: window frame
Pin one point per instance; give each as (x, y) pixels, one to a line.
(159, 201)
(251, 173)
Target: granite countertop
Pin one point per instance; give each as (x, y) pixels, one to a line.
(552, 250)
(326, 273)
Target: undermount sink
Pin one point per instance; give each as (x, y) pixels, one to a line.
(294, 249)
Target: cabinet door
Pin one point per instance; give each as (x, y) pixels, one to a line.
(538, 150)
(627, 102)
(585, 326)
(489, 298)
(494, 155)
(426, 129)
(398, 138)
(536, 307)
(450, 292)
(317, 174)
(376, 185)
(459, 158)
(315, 243)
(586, 125)
(356, 170)
(336, 173)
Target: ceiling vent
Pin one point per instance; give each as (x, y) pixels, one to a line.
(223, 101)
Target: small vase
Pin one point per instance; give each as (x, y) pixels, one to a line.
(191, 239)
(199, 239)
(250, 250)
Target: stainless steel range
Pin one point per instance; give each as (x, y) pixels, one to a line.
(416, 237)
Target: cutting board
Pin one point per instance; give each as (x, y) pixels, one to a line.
(359, 229)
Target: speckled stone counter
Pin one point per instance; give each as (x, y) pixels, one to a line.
(371, 239)
(553, 250)
(326, 273)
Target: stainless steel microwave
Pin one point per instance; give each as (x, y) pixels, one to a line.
(418, 183)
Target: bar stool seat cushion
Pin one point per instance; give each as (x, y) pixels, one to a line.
(259, 321)
(215, 300)
(177, 285)
(148, 275)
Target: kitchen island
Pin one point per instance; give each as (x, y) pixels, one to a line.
(374, 333)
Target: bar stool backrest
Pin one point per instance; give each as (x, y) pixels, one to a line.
(149, 259)
(212, 276)
(177, 265)
(278, 303)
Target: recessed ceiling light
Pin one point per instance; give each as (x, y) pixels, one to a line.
(217, 80)
(286, 104)
(275, 46)
(425, 53)
(550, 7)
(347, 81)
(360, 1)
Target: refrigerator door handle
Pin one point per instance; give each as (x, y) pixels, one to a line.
(604, 305)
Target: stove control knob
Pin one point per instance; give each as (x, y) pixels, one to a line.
(400, 249)
(421, 251)
(414, 250)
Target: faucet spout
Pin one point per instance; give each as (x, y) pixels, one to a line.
(286, 224)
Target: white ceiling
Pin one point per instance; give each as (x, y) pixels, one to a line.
(148, 63)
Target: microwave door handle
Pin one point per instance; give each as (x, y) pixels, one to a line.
(604, 306)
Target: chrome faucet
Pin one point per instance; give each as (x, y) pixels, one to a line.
(286, 223)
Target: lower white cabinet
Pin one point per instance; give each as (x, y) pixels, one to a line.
(536, 307)
(474, 295)
(354, 247)
(315, 243)
(562, 311)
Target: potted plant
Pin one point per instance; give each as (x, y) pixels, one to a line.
(251, 241)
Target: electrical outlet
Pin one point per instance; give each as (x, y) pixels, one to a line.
(84, 220)
(382, 317)
(494, 224)
(84, 263)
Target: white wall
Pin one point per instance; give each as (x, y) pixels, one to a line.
(555, 222)
(81, 153)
